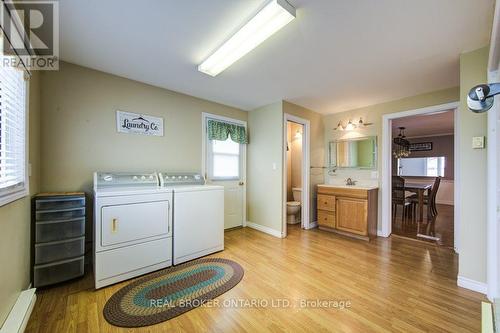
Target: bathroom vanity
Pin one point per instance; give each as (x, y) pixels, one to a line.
(348, 210)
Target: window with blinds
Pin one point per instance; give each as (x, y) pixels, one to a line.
(12, 134)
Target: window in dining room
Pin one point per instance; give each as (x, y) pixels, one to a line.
(421, 167)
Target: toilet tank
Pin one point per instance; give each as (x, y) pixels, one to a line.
(297, 194)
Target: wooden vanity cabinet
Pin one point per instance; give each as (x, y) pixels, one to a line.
(348, 211)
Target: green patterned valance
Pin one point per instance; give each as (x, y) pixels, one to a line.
(218, 130)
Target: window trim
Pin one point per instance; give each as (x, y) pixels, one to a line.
(205, 116)
(15, 193)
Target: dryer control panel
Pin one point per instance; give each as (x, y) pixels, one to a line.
(181, 178)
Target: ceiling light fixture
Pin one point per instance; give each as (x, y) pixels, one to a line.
(271, 18)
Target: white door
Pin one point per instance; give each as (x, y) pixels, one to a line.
(225, 166)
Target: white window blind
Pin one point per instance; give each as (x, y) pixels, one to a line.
(12, 134)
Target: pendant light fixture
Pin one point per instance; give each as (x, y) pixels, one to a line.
(401, 144)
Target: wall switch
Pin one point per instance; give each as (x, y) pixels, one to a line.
(478, 142)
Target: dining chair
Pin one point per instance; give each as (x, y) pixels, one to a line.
(427, 198)
(430, 202)
(399, 199)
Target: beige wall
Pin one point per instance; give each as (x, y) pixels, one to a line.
(317, 148)
(79, 127)
(265, 183)
(373, 114)
(15, 218)
(472, 258)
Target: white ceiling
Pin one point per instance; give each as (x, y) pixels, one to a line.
(337, 55)
(438, 123)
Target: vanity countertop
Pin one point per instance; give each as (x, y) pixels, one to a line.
(354, 187)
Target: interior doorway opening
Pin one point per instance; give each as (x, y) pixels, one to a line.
(420, 185)
(296, 188)
(422, 182)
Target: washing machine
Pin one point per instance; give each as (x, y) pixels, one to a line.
(132, 226)
(198, 215)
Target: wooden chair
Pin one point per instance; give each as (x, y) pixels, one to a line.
(399, 199)
(432, 209)
(430, 201)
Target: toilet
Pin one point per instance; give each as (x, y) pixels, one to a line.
(293, 207)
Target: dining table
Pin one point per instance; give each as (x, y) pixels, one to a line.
(419, 189)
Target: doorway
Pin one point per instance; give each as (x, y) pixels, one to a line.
(415, 171)
(296, 188)
(422, 182)
(224, 163)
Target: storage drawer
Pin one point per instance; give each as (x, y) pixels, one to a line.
(60, 214)
(59, 230)
(326, 202)
(326, 219)
(44, 275)
(59, 203)
(53, 251)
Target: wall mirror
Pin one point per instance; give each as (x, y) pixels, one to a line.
(358, 153)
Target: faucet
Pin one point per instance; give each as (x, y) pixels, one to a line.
(350, 182)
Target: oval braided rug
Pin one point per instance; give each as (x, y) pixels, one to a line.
(170, 292)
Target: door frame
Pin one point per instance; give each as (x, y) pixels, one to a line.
(306, 188)
(493, 155)
(204, 117)
(386, 177)
(493, 231)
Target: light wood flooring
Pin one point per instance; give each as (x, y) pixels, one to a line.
(392, 285)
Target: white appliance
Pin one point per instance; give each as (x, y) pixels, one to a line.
(132, 226)
(198, 215)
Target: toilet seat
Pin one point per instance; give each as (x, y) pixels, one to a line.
(293, 203)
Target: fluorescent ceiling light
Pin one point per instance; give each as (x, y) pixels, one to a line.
(274, 16)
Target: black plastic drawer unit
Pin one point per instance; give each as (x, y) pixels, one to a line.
(58, 237)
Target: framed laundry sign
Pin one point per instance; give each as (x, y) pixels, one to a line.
(134, 123)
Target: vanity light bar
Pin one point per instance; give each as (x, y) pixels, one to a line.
(271, 18)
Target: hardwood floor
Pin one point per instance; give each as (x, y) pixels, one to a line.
(444, 227)
(392, 285)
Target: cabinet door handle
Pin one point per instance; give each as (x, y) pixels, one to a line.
(114, 225)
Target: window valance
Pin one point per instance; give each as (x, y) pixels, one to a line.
(218, 130)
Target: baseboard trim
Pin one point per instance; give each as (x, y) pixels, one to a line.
(264, 229)
(20, 314)
(380, 233)
(313, 225)
(473, 285)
